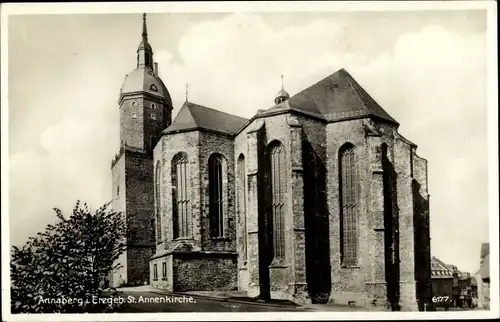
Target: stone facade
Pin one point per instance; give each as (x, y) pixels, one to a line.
(277, 238)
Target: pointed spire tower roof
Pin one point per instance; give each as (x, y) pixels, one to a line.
(144, 45)
(145, 78)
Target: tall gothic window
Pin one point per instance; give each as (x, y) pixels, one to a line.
(158, 201)
(348, 206)
(180, 196)
(216, 195)
(278, 197)
(241, 191)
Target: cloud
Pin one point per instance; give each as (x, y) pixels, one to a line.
(431, 80)
(71, 164)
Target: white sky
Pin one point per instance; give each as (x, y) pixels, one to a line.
(427, 69)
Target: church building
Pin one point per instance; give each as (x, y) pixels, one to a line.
(317, 198)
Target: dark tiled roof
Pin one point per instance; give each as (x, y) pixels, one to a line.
(195, 117)
(336, 97)
(441, 270)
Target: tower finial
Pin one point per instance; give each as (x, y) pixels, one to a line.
(282, 94)
(187, 87)
(144, 27)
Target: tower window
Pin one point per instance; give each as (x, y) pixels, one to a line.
(153, 116)
(277, 166)
(153, 88)
(118, 190)
(241, 200)
(216, 192)
(153, 106)
(164, 270)
(180, 196)
(153, 234)
(348, 206)
(134, 103)
(134, 115)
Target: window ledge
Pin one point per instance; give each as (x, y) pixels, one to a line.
(220, 238)
(350, 266)
(278, 263)
(155, 279)
(182, 238)
(164, 279)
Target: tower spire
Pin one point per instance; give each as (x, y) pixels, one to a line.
(187, 87)
(144, 28)
(144, 52)
(282, 82)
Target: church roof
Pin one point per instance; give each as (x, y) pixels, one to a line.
(143, 79)
(333, 98)
(194, 117)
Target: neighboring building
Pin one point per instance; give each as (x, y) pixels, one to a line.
(483, 278)
(315, 198)
(450, 282)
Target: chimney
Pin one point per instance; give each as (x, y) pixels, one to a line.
(156, 69)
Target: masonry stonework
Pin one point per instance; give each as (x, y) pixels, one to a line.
(384, 229)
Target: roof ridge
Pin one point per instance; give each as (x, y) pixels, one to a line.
(349, 81)
(441, 263)
(195, 105)
(195, 119)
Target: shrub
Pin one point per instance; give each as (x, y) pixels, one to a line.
(66, 267)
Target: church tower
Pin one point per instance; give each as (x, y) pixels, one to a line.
(145, 109)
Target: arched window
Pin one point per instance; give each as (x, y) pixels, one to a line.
(276, 154)
(241, 193)
(348, 205)
(216, 195)
(180, 196)
(158, 201)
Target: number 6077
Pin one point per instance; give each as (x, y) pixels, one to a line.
(439, 299)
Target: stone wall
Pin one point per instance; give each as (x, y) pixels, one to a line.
(403, 166)
(142, 119)
(422, 231)
(200, 272)
(133, 196)
(348, 284)
(138, 264)
(139, 198)
(118, 204)
(209, 144)
(185, 271)
(165, 150)
(164, 282)
(139, 212)
(312, 158)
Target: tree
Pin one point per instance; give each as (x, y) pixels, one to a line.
(65, 268)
